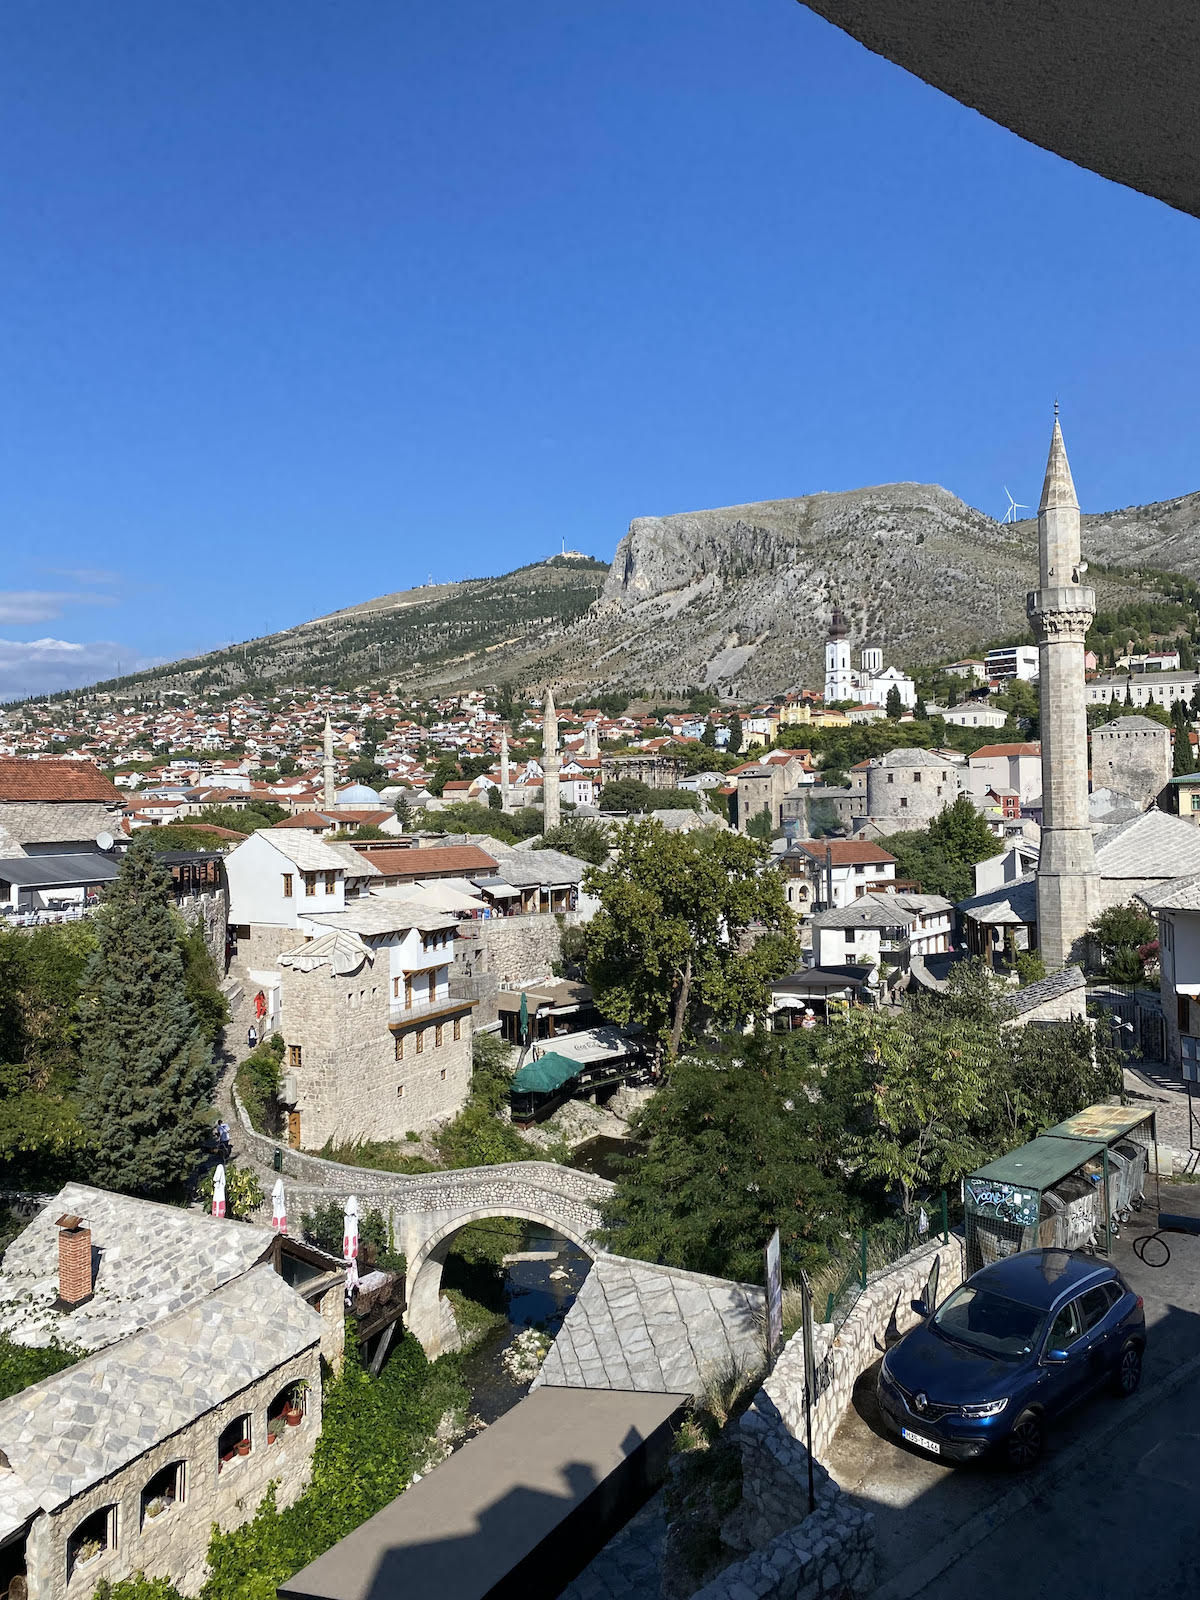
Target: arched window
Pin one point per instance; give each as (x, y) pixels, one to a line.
(286, 1410)
(163, 1493)
(234, 1442)
(94, 1535)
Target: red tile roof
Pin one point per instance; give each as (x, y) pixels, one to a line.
(22, 779)
(451, 860)
(846, 852)
(1008, 750)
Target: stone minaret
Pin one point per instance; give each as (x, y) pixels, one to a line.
(551, 762)
(504, 801)
(1060, 612)
(328, 770)
(591, 742)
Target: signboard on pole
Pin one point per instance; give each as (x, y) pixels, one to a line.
(774, 1296)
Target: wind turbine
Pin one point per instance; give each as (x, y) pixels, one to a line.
(1013, 507)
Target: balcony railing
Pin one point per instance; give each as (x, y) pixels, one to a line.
(461, 990)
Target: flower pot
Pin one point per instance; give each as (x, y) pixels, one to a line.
(294, 1416)
(242, 1447)
(272, 1435)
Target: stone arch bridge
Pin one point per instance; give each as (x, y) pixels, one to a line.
(428, 1209)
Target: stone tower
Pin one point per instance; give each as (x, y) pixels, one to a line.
(328, 771)
(504, 802)
(591, 742)
(1060, 612)
(839, 675)
(551, 762)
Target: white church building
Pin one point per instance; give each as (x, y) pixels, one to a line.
(870, 682)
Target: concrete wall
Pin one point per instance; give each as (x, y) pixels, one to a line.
(175, 1544)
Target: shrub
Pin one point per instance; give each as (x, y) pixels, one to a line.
(243, 1192)
(258, 1081)
(324, 1226)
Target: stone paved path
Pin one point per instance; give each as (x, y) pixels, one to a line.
(1161, 1089)
(630, 1565)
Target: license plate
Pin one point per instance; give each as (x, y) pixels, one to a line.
(919, 1438)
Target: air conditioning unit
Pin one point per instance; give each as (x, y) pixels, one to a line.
(289, 1091)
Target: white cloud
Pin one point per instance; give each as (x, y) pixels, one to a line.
(42, 605)
(39, 666)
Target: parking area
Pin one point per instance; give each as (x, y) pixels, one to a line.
(921, 1506)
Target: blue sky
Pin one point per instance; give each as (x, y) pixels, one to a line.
(302, 303)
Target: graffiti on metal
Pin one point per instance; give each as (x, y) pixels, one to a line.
(1005, 1201)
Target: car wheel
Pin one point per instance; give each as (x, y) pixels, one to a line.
(1026, 1441)
(1129, 1371)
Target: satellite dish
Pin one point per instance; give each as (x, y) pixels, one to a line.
(105, 841)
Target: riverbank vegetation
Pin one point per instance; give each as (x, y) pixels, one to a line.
(822, 1133)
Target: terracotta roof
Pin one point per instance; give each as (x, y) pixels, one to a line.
(1008, 750)
(454, 859)
(22, 779)
(845, 851)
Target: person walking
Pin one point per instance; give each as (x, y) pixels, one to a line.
(252, 1036)
(226, 1150)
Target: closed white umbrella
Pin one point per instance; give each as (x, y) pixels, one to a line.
(218, 1209)
(278, 1207)
(350, 1230)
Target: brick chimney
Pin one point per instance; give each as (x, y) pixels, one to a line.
(74, 1262)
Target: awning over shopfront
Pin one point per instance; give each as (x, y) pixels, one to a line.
(545, 1075)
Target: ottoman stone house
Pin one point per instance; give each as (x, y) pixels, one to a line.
(202, 1385)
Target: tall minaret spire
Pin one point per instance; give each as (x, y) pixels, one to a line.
(328, 770)
(1060, 611)
(551, 762)
(504, 801)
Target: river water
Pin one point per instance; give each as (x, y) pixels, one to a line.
(537, 1294)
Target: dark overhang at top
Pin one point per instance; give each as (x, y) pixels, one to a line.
(1109, 84)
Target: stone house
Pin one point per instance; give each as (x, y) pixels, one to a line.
(883, 927)
(821, 873)
(762, 786)
(906, 789)
(200, 1333)
(1006, 766)
(55, 807)
(377, 1035)
(1131, 756)
(278, 877)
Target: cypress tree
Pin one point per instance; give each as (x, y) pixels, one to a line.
(147, 1080)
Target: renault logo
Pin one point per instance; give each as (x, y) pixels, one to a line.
(920, 1401)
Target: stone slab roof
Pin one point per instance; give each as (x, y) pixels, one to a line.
(531, 869)
(1068, 981)
(343, 951)
(1152, 845)
(1010, 903)
(154, 1260)
(643, 1327)
(872, 911)
(353, 860)
(70, 1431)
(1132, 724)
(23, 780)
(1181, 894)
(49, 822)
(305, 850)
(380, 915)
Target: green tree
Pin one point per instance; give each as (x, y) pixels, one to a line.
(146, 1086)
(1123, 933)
(495, 799)
(670, 943)
(760, 826)
(202, 985)
(942, 857)
(895, 705)
(445, 771)
(404, 810)
(737, 1143)
(708, 737)
(735, 734)
(580, 837)
(627, 794)
(1183, 760)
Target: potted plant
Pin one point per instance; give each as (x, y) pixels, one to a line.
(156, 1507)
(87, 1550)
(242, 1448)
(294, 1410)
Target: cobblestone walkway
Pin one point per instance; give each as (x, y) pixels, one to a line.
(1162, 1090)
(630, 1565)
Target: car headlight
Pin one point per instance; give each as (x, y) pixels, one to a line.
(985, 1408)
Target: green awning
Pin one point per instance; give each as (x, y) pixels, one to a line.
(1041, 1163)
(547, 1073)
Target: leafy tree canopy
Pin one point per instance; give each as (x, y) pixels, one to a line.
(670, 942)
(942, 857)
(579, 837)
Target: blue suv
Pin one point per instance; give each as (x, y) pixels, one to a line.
(1010, 1350)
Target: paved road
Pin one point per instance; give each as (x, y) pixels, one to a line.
(1088, 1490)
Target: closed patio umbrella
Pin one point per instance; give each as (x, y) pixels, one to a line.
(350, 1229)
(278, 1207)
(218, 1203)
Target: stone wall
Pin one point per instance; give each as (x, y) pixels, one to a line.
(1133, 757)
(175, 1544)
(211, 913)
(830, 1552)
(519, 950)
(352, 1083)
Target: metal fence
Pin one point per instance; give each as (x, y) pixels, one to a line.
(872, 1250)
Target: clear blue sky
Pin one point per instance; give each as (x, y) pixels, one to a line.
(302, 302)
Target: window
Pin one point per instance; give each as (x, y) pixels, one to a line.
(1066, 1328)
(458, 1028)
(399, 1047)
(310, 883)
(163, 1493)
(395, 988)
(437, 1040)
(443, 1074)
(285, 1411)
(94, 1535)
(287, 886)
(234, 1441)
(916, 777)
(408, 994)
(1096, 1304)
(891, 777)
(330, 882)
(294, 1055)
(399, 1091)
(420, 1041)
(904, 803)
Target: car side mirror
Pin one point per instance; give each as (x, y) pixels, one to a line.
(1057, 1356)
(920, 1308)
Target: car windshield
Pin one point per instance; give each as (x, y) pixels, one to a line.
(990, 1322)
